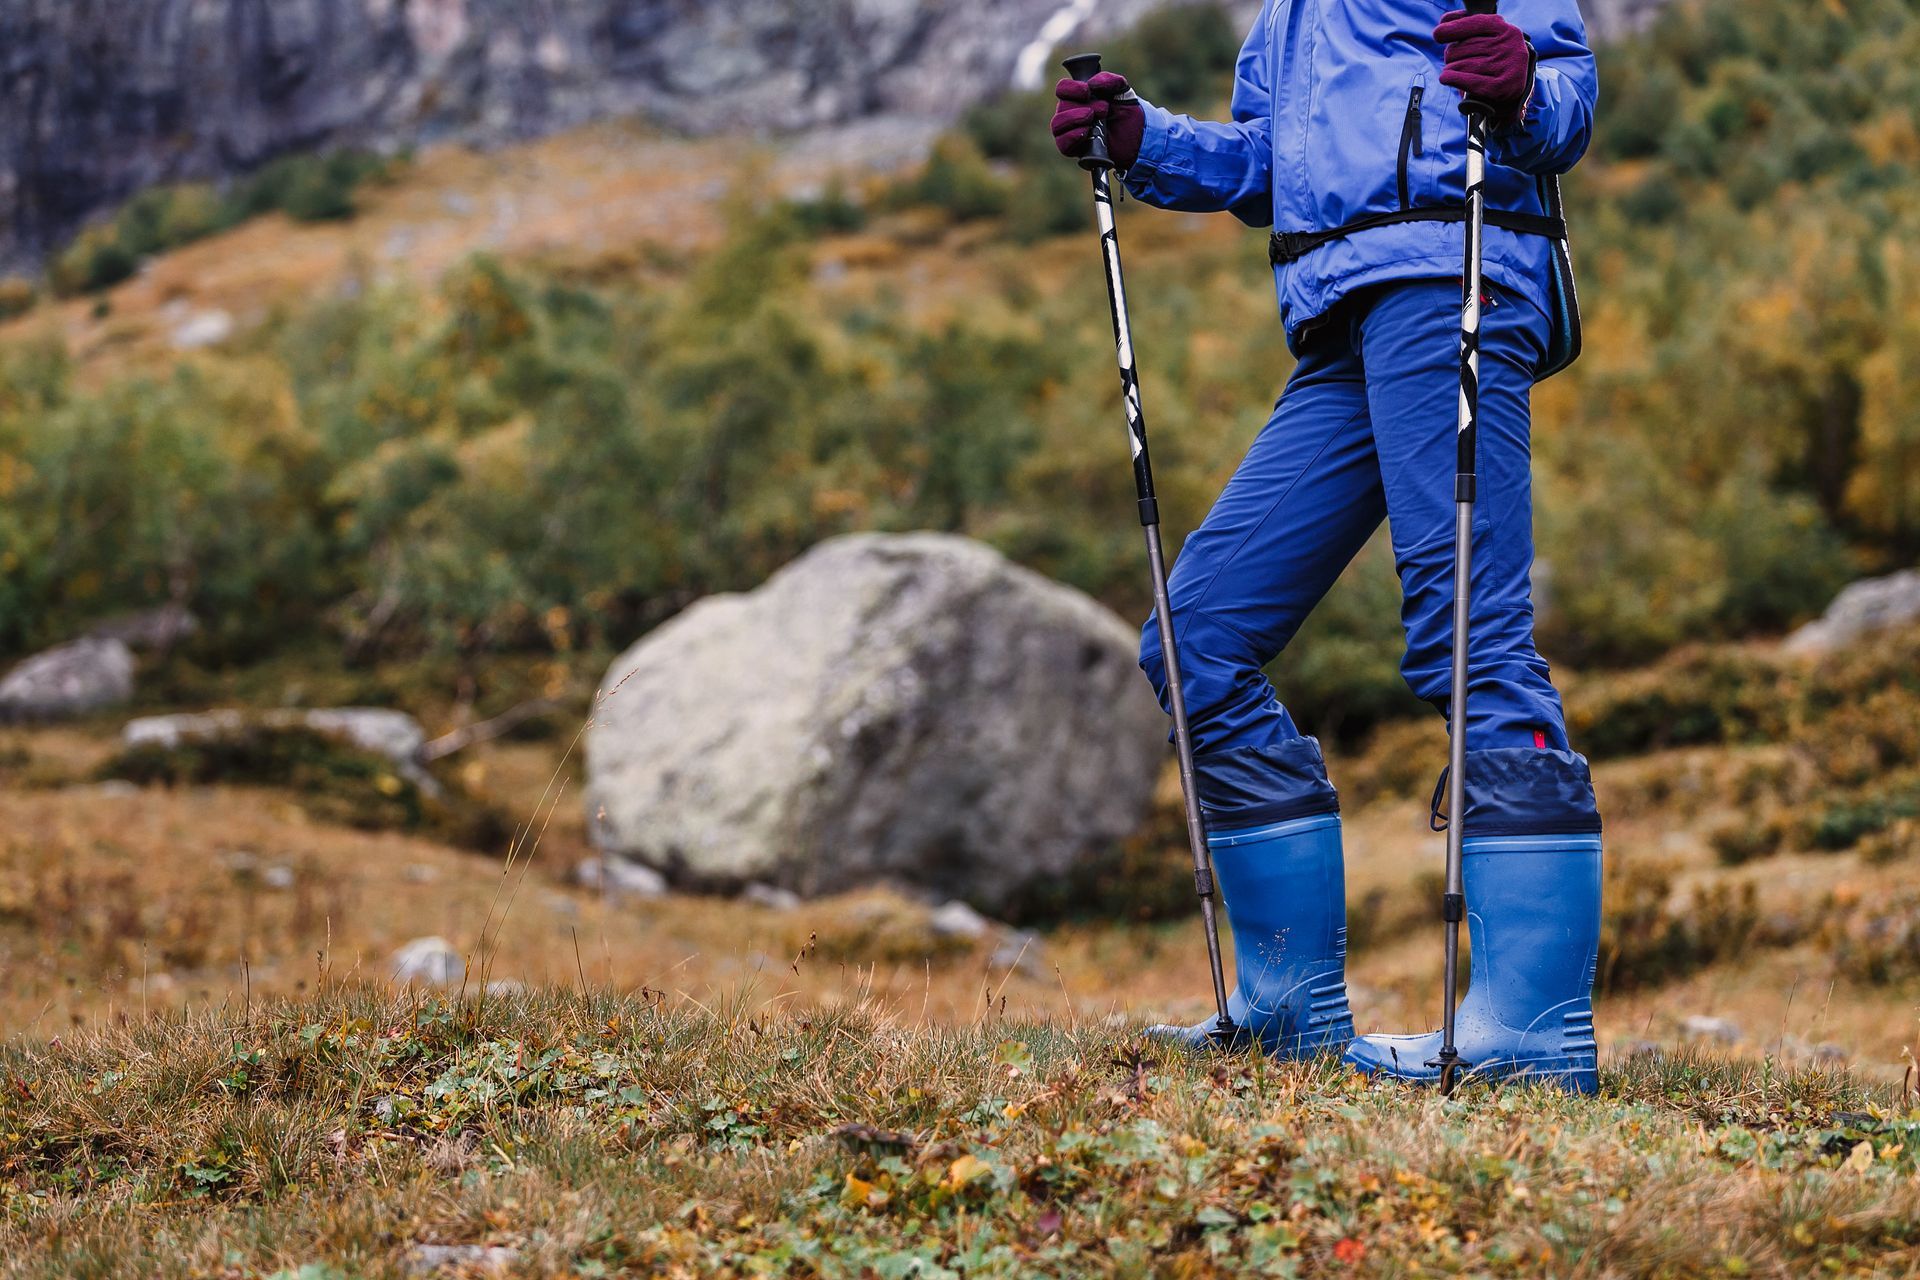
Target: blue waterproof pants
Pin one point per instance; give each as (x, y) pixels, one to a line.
(1365, 431)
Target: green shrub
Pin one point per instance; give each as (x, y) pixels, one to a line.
(1182, 58)
(97, 260)
(334, 781)
(1746, 839)
(834, 211)
(17, 297)
(1845, 823)
(957, 179)
(1646, 940)
(309, 186)
(1698, 698)
(317, 187)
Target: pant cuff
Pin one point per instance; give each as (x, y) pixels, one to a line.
(1252, 786)
(1523, 791)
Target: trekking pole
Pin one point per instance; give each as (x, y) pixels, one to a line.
(1099, 163)
(1465, 486)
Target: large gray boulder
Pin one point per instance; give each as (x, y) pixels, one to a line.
(1866, 607)
(71, 680)
(908, 709)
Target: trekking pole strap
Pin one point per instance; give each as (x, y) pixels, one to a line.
(1284, 247)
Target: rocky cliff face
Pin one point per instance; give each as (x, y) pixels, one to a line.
(99, 98)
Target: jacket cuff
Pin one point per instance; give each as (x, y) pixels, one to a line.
(1528, 113)
(1155, 144)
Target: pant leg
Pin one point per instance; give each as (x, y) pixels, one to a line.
(1301, 505)
(1410, 339)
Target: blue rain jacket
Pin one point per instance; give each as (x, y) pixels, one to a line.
(1338, 111)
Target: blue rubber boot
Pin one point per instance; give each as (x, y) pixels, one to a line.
(1533, 913)
(1285, 890)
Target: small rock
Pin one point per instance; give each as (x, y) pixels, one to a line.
(506, 987)
(425, 1259)
(563, 906)
(429, 960)
(1873, 604)
(619, 880)
(1022, 951)
(1640, 1049)
(203, 329)
(770, 897)
(1827, 1051)
(278, 876)
(420, 873)
(1699, 1026)
(240, 863)
(116, 789)
(68, 681)
(958, 920)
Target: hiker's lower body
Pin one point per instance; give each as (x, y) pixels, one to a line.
(1365, 432)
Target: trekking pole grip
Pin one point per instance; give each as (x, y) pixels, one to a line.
(1084, 67)
(1471, 105)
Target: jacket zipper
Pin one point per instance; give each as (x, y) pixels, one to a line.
(1410, 141)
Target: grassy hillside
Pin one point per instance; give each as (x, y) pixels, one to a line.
(1763, 822)
(664, 380)
(449, 452)
(580, 1135)
(352, 1135)
(419, 475)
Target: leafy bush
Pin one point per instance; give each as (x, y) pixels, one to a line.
(1646, 940)
(514, 462)
(834, 211)
(17, 297)
(317, 187)
(335, 782)
(957, 179)
(98, 259)
(310, 187)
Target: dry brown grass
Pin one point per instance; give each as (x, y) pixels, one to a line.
(596, 1135)
(119, 902)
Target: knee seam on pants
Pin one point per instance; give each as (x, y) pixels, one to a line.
(1181, 643)
(1181, 616)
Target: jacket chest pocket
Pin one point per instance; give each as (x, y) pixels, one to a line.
(1413, 141)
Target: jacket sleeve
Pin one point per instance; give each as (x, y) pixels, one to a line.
(1558, 123)
(1205, 166)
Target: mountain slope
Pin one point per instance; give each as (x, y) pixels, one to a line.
(101, 98)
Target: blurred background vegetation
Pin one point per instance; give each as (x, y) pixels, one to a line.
(549, 460)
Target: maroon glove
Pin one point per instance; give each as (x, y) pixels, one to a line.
(1488, 58)
(1107, 99)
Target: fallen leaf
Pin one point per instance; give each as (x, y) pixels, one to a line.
(966, 1171)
